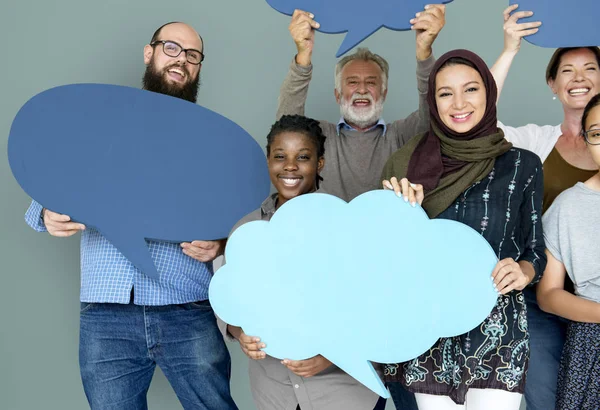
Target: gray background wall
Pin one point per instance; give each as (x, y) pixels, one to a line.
(248, 49)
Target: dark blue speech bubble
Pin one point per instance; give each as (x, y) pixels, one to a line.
(565, 23)
(136, 165)
(357, 17)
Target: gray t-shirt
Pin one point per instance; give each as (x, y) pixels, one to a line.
(572, 235)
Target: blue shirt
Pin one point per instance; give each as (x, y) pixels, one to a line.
(343, 124)
(108, 277)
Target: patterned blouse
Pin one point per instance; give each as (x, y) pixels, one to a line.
(505, 207)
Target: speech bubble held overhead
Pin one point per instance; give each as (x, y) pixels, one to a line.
(324, 274)
(136, 165)
(565, 23)
(359, 18)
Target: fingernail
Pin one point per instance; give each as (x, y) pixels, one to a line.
(398, 194)
(318, 25)
(413, 204)
(405, 199)
(427, 6)
(492, 278)
(262, 346)
(413, 186)
(418, 14)
(412, 21)
(312, 16)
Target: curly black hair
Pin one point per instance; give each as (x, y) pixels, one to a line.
(302, 124)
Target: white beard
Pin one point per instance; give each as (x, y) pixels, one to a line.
(361, 117)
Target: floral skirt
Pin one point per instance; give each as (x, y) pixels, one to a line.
(579, 373)
(494, 355)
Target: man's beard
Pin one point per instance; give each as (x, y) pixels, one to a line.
(361, 117)
(155, 81)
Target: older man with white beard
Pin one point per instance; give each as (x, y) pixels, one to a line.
(358, 146)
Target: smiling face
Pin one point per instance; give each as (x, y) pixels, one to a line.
(173, 76)
(577, 78)
(460, 97)
(293, 165)
(362, 93)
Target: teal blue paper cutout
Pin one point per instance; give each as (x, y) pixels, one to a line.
(372, 280)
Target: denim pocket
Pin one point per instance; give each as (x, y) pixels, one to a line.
(85, 306)
(201, 305)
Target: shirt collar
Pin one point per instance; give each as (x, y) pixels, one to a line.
(267, 209)
(343, 124)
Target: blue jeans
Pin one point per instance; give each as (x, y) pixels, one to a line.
(120, 346)
(547, 337)
(403, 399)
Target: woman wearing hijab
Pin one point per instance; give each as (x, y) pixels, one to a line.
(464, 170)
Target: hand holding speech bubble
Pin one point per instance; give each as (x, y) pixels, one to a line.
(136, 165)
(565, 23)
(358, 18)
(375, 270)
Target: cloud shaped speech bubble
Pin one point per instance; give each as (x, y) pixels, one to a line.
(565, 23)
(136, 165)
(323, 274)
(356, 17)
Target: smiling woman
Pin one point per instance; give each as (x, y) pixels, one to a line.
(295, 151)
(460, 95)
(572, 249)
(471, 174)
(573, 75)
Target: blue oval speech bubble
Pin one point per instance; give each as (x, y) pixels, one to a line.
(565, 23)
(323, 274)
(357, 17)
(136, 165)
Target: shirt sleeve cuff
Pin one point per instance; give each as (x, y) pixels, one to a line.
(300, 69)
(33, 217)
(425, 66)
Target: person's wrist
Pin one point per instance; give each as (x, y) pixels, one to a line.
(424, 52)
(510, 51)
(303, 57)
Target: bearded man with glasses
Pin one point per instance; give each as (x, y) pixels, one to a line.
(129, 323)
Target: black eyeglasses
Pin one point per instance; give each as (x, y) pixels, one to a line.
(592, 137)
(172, 49)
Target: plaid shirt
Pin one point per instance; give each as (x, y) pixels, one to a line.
(108, 277)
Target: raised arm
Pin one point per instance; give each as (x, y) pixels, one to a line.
(427, 25)
(513, 34)
(293, 92)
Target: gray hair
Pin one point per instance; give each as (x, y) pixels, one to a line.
(365, 55)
